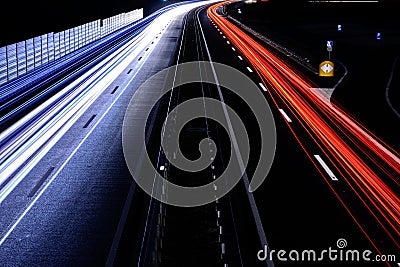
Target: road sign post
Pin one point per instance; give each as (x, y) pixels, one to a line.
(329, 48)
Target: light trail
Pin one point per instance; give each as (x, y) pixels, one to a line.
(60, 116)
(28, 140)
(345, 141)
(25, 149)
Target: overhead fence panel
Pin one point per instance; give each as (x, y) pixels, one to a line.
(37, 43)
(30, 55)
(12, 62)
(73, 39)
(50, 46)
(79, 37)
(90, 32)
(93, 31)
(62, 44)
(70, 36)
(104, 26)
(67, 41)
(45, 49)
(3, 65)
(56, 41)
(98, 28)
(21, 58)
(84, 34)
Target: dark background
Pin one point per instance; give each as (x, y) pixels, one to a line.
(21, 20)
(305, 27)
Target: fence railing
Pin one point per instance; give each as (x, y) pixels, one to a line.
(22, 57)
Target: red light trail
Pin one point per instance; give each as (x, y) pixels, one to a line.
(344, 140)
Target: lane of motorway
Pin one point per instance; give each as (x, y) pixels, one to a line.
(361, 170)
(66, 197)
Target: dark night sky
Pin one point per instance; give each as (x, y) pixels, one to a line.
(26, 19)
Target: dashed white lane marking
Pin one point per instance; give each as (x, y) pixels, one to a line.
(326, 168)
(285, 115)
(263, 87)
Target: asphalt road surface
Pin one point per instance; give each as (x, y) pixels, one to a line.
(79, 206)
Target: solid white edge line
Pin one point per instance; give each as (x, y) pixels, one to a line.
(285, 115)
(326, 168)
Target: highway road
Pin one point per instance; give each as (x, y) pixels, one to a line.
(340, 142)
(64, 178)
(68, 198)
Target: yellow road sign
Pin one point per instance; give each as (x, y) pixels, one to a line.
(326, 69)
